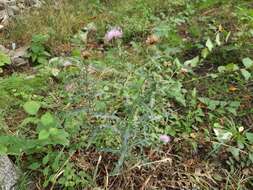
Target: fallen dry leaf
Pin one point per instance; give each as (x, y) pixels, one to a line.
(232, 88)
(152, 39)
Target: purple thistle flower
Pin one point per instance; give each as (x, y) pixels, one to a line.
(165, 138)
(114, 33)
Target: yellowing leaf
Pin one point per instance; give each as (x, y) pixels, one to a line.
(232, 88)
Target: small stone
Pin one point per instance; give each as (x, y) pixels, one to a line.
(8, 174)
(13, 46)
(19, 61)
(18, 56)
(14, 9)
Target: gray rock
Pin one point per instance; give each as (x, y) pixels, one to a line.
(4, 50)
(20, 52)
(10, 8)
(15, 9)
(8, 174)
(18, 56)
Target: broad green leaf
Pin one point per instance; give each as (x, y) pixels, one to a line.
(47, 119)
(217, 39)
(59, 136)
(42, 60)
(204, 53)
(4, 59)
(34, 166)
(246, 74)
(222, 135)
(231, 67)
(76, 53)
(45, 160)
(193, 62)
(177, 63)
(211, 104)
(54, 131)
(235, 152)
(209, 44)
(247, 62)
(3, 149)
(44, 134)
(221, 69)
(32, 107)
(249, 137)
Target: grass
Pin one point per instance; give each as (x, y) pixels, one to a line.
(99, 119)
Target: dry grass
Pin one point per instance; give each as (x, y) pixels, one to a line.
(163, 170)
(60, 21)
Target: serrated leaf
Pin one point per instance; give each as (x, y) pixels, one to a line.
(32, 107)
(209, 44)
(247, 62)
(246, 74)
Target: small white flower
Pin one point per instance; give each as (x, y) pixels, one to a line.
(13, 45)
(241, 129)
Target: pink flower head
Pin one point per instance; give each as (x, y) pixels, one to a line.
(165, 138)
(113, 33)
